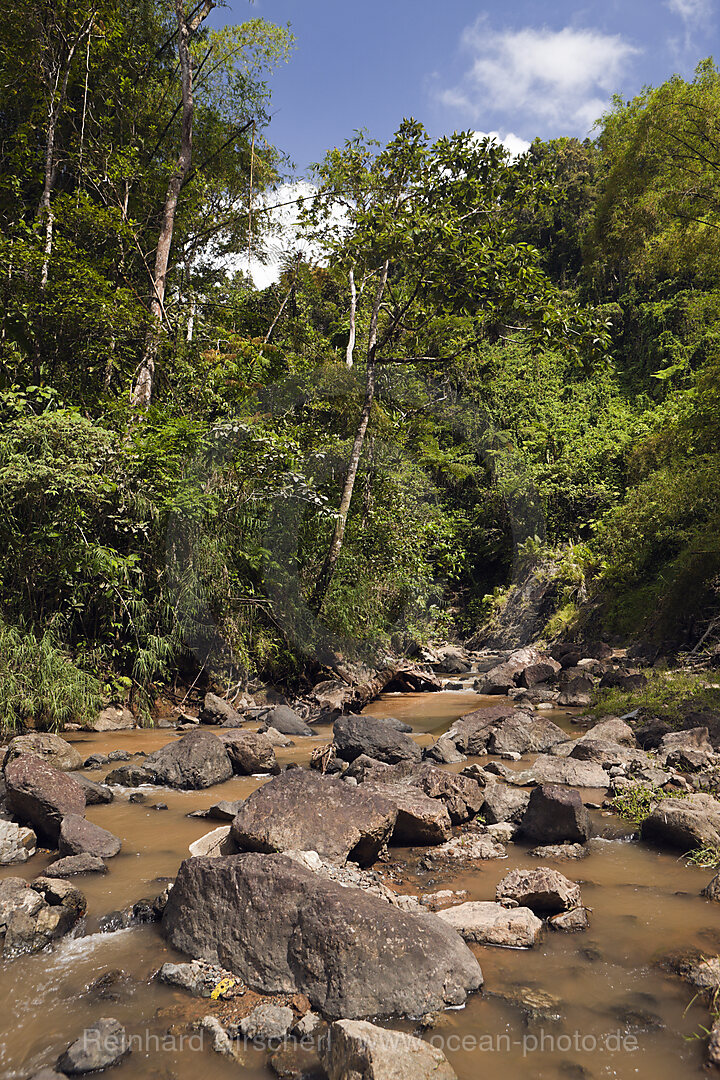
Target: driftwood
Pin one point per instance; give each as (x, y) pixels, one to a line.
(358, 687)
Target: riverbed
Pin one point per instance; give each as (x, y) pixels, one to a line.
(593, 1004)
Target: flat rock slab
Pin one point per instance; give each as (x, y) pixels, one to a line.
(357, 1050)
(302, 810)
(51, 748)
(214, 843)
(486, 923)
(548, 769)
(683, 824)
(545, 891)
(41, 795)
(79, 836)
(356, 735)
(197, 760)
(284, 929)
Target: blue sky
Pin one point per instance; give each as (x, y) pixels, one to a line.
(516, 68)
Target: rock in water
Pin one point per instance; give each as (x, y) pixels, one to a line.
(76, 864)
(95, 794)
(486, 923)
(81, 837)
(684, 823)
(17, 843)
(113, 718)
(357, 1050)
(544, 891)
(556, 815)
(50, 748)
(283, 929)
(356, 735)
(40, 794)
(286, 721)
(249, 752)
(100, 1046)
(198, 760)
(306, 811)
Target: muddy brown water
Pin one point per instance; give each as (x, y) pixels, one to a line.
(586, 1005)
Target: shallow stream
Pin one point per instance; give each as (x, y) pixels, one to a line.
(593, 1004)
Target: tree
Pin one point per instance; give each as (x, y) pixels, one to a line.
(436, 229)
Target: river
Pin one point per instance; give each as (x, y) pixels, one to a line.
(603, 1005)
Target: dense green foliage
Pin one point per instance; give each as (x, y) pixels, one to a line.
(545, 371)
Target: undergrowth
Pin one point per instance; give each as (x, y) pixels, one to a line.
(39, 684)
(669, 695)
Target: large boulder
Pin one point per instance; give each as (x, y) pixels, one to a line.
(307, 811)
(356, 735)
(613, 729)
(420, 819)
(692, 739)
(556, 815)
(215, 710)
(283, 929)
(41, 795)
(286, 721)
(250, 752)
(503, 729)
(113, 718)
(683, 824)
(486, 923)
(17, 843)
(544, 891)
(50, 748)
(576, 692)
(542, 672)
(197, 760)
(358, 1050)
(78, 836)
(461, 795)
(501, 678)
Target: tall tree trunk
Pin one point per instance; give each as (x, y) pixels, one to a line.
(353, 313)
(143, 389)
(322, 584)
(58, 77)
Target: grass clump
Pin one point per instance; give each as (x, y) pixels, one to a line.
(636, 803)
(669, 695)
(707, 856)
(39, 684)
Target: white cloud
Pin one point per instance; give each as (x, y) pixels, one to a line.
(548, 81)
(512, 143)
(284, 239)
(691, 11)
